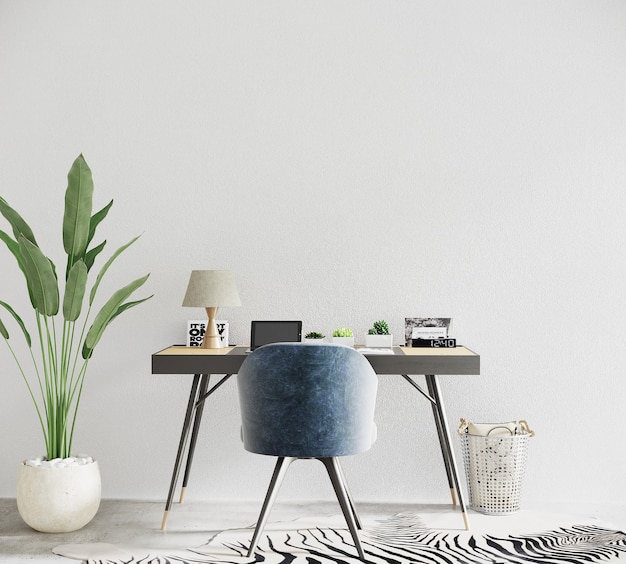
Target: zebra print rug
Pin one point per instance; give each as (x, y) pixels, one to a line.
(401, 539)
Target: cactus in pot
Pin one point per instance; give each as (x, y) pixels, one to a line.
(314, 336)
(378, 335)
(343, 336)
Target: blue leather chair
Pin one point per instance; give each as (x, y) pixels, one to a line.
(301, 400)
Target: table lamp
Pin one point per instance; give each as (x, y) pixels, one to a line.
(211, 289)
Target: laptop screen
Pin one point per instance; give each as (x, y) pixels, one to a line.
(266, 332)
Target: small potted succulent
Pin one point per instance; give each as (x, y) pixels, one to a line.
(314, 337)
(378, 336)
(343, 336)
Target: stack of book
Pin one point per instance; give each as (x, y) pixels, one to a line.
(436, 337)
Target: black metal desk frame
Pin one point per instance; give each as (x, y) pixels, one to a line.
(406, 362)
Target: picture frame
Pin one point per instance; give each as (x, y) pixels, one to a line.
(197, 327)
(414, 326)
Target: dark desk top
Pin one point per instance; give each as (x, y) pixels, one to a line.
(404, 360)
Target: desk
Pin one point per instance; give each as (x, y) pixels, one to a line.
(202, 363)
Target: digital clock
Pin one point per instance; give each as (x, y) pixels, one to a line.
(435, 343)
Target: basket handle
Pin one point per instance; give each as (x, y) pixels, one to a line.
(463, 427)
(525, 428)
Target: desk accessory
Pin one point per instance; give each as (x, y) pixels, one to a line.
(426, 328)
(434, 343)
(267, 332)
(314, 337)
(379, 336)
(211, 289)
(375, 350)
(343, 336)
(196, 329)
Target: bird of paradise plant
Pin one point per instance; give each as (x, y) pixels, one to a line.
(65, 343)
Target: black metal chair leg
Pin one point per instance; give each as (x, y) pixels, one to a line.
(282, 464)
(335, 474)
(342, 474)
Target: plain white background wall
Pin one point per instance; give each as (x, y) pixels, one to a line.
(349, 161)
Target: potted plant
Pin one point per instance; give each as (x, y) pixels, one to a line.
(314, 337)
(379, 336)
(343, 336)
(59, 492)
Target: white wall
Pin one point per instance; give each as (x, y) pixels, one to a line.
(349, 161)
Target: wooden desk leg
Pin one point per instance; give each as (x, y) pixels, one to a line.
(446, 446)
(446, 460)
(193, 395)
(204, 384)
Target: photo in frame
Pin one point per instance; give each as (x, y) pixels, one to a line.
(416, 327)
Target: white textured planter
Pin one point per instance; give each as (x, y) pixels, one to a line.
(376, 341)
(314, 341)
(348, 341)
(58, 500)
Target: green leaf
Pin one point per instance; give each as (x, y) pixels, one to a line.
(108, 263)
(97, 218)
(75, 291)
(17, 318)
(14, 247)
(78, 204)
(3, 330)
(11, 244)
(128, 305)
(20, 227)
(108, 312)
(41, 277)
(90, 255)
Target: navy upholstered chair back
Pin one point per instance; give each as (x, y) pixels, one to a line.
(301, 400)
(307, 400)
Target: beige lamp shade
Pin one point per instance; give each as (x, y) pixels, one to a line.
(211, 289)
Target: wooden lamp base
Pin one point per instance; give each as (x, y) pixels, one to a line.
(212, 338)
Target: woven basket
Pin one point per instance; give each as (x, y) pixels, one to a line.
(494, 469)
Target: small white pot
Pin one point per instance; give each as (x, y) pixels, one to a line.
(315, 341)
(348, 341)
(377, 341)
(58, 500)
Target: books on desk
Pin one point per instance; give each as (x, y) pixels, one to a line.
(375, 350)
(429, 333)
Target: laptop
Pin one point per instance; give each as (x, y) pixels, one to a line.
(266, 332)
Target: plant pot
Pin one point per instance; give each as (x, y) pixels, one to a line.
(378, 341)
(348, 341)
(315, 341)
(56, 499)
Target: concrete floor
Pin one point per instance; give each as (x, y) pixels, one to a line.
(136, 523)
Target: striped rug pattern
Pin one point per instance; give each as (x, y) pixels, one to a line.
(401, 539)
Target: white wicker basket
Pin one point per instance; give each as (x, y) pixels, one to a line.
(494, 468)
